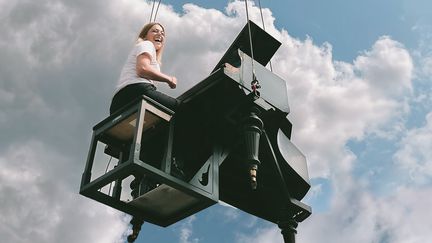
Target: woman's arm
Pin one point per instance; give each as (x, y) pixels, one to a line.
(145, 70)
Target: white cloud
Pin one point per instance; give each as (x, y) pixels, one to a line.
(63, 58)
(415, 153)
(333, 102)
(315, 191)
(186, 231)
(264, 235)
(365, 218)
(40, 204)
(427, 66)
(358, 216)
(387, 68)
(230, 213)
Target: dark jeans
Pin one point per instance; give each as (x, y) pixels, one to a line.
(133, 91)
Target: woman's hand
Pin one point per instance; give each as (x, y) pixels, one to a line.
(230, 68)
(172, 82)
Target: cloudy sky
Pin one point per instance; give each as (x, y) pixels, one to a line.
(359, 77)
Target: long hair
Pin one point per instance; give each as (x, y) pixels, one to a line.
(143, 34)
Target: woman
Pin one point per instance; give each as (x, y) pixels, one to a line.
(142, 69)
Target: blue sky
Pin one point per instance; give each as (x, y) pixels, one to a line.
(359, 77)
(350, 26)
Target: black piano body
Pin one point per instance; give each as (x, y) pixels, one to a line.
(215, 110)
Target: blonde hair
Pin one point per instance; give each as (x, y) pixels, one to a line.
(143, 34)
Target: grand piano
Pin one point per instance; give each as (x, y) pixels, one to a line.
(228, 142)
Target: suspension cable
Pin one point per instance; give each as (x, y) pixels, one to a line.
(157, 9)
(254, 84)
(153, 18)
(151, 15)
(262, 20)
(262, 17)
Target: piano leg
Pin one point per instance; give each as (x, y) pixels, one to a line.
(253, 126)
(288, 230)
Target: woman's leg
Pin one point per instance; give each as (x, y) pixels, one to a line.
(163, 99)
(133, 91)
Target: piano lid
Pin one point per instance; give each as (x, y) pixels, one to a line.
(264, 45)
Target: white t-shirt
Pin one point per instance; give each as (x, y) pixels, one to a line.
(128, 74)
